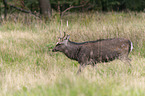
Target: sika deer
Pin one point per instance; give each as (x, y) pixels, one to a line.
(93, 52)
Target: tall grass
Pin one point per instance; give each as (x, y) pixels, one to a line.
(29, 68)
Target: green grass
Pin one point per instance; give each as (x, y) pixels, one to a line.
(29, 68)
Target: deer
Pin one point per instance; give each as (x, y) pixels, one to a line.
(93, 52)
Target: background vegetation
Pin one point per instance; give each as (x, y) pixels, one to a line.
(45, 8)
(29, 68)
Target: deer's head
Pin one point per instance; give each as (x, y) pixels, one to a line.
(61, 44)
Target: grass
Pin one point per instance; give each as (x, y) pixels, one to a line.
(29, 68)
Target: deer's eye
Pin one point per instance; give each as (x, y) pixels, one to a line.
(58, 44)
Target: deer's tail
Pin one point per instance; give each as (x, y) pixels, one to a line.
(130, 46)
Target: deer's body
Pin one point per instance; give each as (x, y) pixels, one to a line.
(93, 52)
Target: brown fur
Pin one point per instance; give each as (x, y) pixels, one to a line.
(93, 52)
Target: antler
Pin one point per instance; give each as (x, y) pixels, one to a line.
(61, 39)
(64, 35)
(60, 33)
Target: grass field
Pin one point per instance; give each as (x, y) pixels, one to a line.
(29, 68)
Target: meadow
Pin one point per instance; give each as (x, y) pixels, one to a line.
(28, 67)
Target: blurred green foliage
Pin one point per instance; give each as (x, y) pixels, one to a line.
(100, 5)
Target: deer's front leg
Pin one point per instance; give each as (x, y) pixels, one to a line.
(81, 67)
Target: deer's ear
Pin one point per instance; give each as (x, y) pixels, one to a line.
(66, 40)
(68, 36)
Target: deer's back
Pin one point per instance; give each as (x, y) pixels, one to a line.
(101, 50)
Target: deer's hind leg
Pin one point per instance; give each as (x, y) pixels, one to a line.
(125, 59)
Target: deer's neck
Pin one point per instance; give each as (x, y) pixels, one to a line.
(72, 50)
